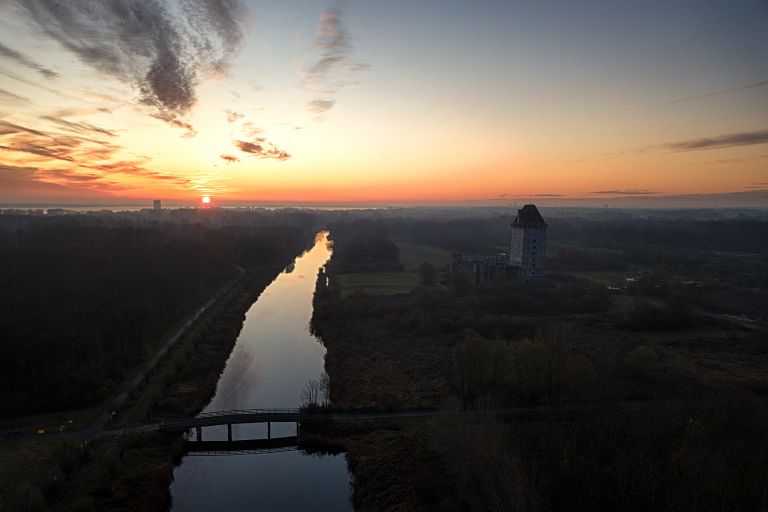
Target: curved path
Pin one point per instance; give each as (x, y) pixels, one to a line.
(97, 427)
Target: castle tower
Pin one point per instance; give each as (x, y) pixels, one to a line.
(529, 242)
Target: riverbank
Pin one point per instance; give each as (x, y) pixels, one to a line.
(133, 472)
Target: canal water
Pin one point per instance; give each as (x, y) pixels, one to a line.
(274, 358)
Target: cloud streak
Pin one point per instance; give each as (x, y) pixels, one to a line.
(722, 141)
(626, 192)
(325, 76)
(162, 48)
(755, 85)
(10, 53)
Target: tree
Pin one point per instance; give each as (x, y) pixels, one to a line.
(641, 361)
(428, 273)
(481, 368)
(316, 393)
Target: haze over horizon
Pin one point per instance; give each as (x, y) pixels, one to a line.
(384, 102)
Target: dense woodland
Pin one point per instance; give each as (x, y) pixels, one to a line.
(84, 301)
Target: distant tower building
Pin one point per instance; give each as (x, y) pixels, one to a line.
(156, 205)
(529, 242)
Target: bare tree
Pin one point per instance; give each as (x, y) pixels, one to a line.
(316, 393)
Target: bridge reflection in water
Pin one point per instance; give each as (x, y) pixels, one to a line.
(246, 447)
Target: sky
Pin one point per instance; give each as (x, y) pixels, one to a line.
(383, 102)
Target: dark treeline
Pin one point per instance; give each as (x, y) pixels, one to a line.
(363, 246)
(84, 301)
(492, 234)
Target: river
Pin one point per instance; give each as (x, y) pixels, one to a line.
(274, 358)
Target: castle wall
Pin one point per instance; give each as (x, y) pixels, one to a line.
(528, 250)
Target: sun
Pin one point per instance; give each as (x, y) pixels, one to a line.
(206, 199)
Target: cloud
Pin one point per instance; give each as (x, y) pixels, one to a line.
(230, 159)
(12, 98)
(261, 148)
(22, 59)
(755, 85)
(326, 74)
(38, 85)
(164, 49)
(251, 130)
(726, 161)
(32, 183)
(78, 127)
(319, 106)
(85, 159)
(627, 192)
(233, 116)
(722, 141)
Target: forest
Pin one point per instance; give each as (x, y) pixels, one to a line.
(86, 301)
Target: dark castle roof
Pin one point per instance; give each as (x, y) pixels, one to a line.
(529, 216)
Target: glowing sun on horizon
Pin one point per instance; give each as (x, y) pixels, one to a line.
(206, 199)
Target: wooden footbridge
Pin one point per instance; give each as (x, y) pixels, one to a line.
(240, 416)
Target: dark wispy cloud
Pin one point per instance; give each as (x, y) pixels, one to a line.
(727, 161)
(230, 159)
(10, 53)
(78, 126)
(626, 192)
(85, 158)
(162, 48)
(722, 141)
(319, 106)
(731, 140)
(19, 182)
(261, 148)
(719, 92)
(329, 72)
(12, 98)
(37, 85)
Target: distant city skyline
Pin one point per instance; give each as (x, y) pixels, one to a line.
(384, 103)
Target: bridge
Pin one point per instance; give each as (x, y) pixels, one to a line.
(239, 416)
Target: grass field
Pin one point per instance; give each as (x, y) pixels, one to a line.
(411, 255)
(378, 283)
(607, 278)
(24, 465)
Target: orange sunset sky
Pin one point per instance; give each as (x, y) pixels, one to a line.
(382, 102)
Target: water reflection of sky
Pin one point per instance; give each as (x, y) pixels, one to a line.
(275, 356)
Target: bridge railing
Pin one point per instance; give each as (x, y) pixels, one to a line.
(236, 412)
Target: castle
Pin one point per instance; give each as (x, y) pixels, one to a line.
(527, 254)
(529, 242)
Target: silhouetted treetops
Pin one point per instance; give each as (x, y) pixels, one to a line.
(83, 303)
